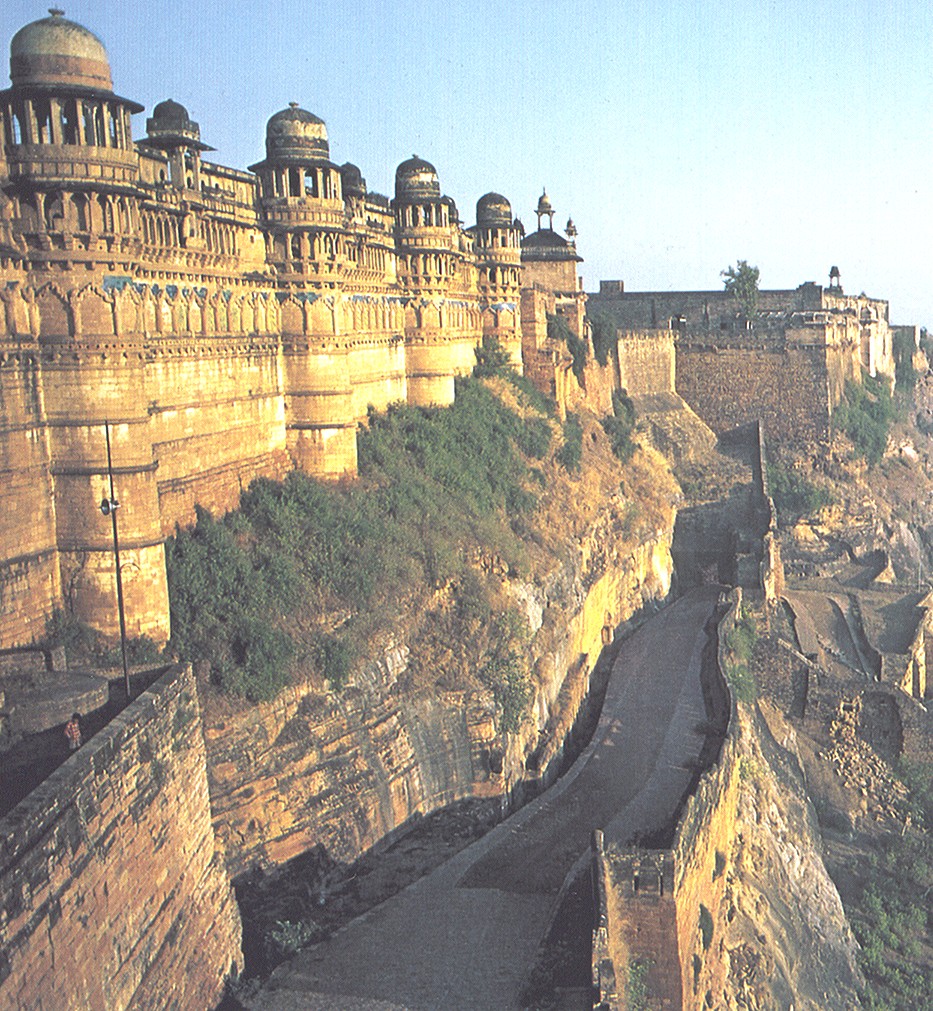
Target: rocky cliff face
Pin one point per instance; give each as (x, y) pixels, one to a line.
(781, 932)
(344, 769)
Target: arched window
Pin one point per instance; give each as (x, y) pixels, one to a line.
(70, 122)
(99, 132)
(90, 132)
(106, 214)
(43, 114)
(296, 247)
(16, 126)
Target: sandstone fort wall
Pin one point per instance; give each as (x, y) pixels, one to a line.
(660, 908)
(112, 891)
(787, 389)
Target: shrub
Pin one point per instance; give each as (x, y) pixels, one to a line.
(492, 359)
(605, 336)
(620, 425)
(636, 984)
(288, 937)
(740, 644)
(570, 455)
(559, 330)
(433, 483)
(795, 496)
(866, 415)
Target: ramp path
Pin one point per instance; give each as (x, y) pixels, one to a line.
(466, 935)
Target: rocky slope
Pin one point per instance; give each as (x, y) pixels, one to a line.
(343, 769)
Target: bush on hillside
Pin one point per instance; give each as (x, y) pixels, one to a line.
(605, 336)
(866, 415)
(558, 329)
(620, 425)
(794, 495)
(570, 455)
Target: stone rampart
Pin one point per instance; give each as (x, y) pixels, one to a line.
(656, 909)
(646, 361)
(787, 389)
(112, 891)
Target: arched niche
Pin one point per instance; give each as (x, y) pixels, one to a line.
(54, 316)
(95, 315)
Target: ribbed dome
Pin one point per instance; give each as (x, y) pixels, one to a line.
(57, 51)
(544, 203)
(416, 179)
(493, 211)
(296, 135)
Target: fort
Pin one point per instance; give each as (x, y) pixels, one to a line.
(216, 325)
(226, 324)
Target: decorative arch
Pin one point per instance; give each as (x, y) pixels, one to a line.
(95, 314)
(293, 317)
(322, 319)
(55, 320)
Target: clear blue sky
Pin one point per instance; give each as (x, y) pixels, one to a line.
(680, 135)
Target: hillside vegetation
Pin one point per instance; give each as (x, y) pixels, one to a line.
(452, 505)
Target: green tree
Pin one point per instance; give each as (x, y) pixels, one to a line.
(741, 281)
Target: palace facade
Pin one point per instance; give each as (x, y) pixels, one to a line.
(223, 324)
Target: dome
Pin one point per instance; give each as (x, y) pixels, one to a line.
(296, 135)
(546, 244)
(171, 113)
(351, 180)
(171, 124)
(544, 203)
(416, 179)
(493, 211)
(57, 51)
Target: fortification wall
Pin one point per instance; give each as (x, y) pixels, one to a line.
(659, 908)
(216, 421)
(112, 891)
(646, 362)
(30, 586)
(786, 388)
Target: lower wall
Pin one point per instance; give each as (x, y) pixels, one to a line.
(656, 908)
(112, 891)
(787, 389)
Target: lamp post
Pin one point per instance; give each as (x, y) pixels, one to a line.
(109, 506)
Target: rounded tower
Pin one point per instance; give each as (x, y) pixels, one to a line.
(302, 202)
(301, 196)
(427, 240)
(171, 129)
(68, 144)
(73, 181)
(498, 256)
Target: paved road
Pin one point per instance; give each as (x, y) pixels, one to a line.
(466, 935)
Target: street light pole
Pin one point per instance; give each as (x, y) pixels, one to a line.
(108, 507)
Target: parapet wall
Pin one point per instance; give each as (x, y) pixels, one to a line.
(112, 892)
(655, 908)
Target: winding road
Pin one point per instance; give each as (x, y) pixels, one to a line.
(466, 935)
